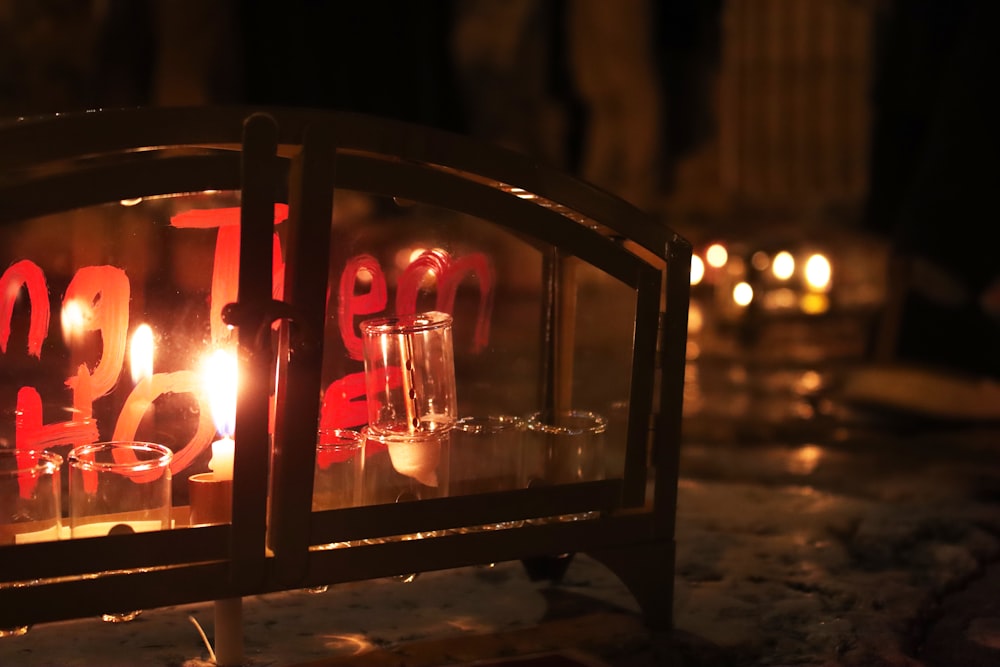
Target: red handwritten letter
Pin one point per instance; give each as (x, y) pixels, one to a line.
(25, 273)
(105, 291)
(449, 274)
(350, 304)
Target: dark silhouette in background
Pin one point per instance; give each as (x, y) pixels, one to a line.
(617, 92)
(934, 173)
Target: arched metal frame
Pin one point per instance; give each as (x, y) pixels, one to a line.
(300, 156)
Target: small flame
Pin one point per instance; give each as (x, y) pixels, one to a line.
(716, 255)
(219, 375)
(141, 353)
(818, 272)
(697, 269)
(74, 318)
(742, 294)
(783, 266)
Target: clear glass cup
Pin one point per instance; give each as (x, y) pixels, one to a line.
(409, 375)
(399, 471)
(486, 454)
(338, 473)
(565, 448)
(337, 476)
(30, 504)
(391, 477)
(119, 488)
(30, 497)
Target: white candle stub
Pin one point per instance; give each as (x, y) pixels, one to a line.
(221, 462)
(416, 458)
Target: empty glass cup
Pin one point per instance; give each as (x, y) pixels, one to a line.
(486, 454)
(564, 448)
(119, 488)
(30, 509)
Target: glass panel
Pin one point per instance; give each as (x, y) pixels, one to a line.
(391, 259)
(108, 315)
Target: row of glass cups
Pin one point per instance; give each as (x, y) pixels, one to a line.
(113, 487)
(477, 455)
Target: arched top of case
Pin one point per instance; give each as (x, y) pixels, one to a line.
(186, 149)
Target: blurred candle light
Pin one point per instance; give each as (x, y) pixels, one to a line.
(139, 404)
(818, 272)
(760, 260)
(716, 255)
(742, 294)
(74, 319)
(783, 266)
(141, 353)
(220, 381)
(804, 460)
(697, 269)
(220, 378)
(814, 303)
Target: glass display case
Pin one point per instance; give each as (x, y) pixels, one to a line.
(367, 348)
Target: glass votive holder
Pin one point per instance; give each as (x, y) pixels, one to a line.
(119, 487)
(409, 375)
(337, 476)
(486, 454)
(338, 473)
(30, 507)
(564, 447)
(30, 496)
(400, 470)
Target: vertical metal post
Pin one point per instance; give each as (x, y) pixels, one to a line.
(673, 355)
(259, 188)
(300, 352)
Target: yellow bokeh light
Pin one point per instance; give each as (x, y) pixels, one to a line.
(141, 353)
(783, 266)
(818, 272)
(716, 255)
(697, 269)
(742, 294)
(804, 460)
(760, 260)
(696, 319)
(814, 304)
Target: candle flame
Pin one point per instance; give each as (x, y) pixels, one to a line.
(74, 318)
(141, 353)
(219, 375)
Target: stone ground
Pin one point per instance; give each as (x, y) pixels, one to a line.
(861, 553)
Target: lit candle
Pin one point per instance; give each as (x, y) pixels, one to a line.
(141, 353)
(139, 403)
(220, 376)
(219, 373)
